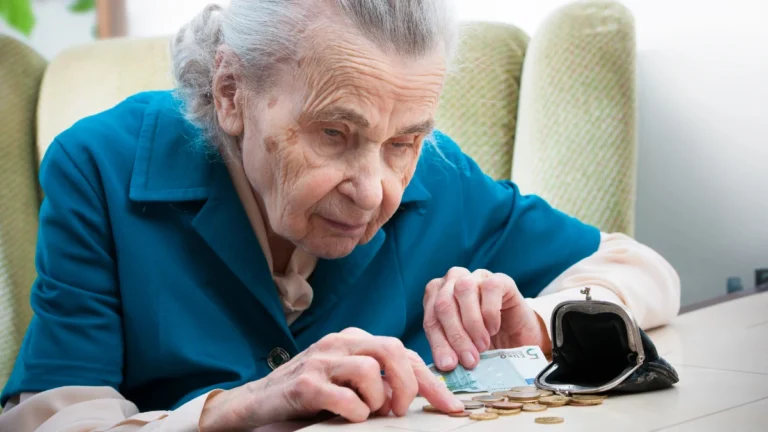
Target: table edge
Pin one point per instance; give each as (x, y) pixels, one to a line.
(718, 300)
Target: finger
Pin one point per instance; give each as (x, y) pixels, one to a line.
(432, 389)
(387, 406)
(362, 374)
(467, 294)
(448, 315)
(510, 293)
(344, 402)
(392, 358)
(445, 358)
(354, 331)
(491, 296)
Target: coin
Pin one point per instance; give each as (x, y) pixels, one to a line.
(545, 393)
(549, 420)
(554, 400)
(460, 414)
(503, 412)
(488, 398)
(534, 407)
(506, 405)
(472, 405)
(524, 389)
(500, 393)
(430, 408)
(592, 402)
(587, 398)
(523, 396)
(483, 416)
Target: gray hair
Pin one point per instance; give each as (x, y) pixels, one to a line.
(259, 32)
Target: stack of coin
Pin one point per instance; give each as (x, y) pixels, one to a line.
(483, 416)
(534, 407)
(523, 396)
(488, 400)
(527, 399)
(586, 400)
(505, 408)
(472, 405)
(554, 401)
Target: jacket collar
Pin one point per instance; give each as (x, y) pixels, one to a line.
(173, 162)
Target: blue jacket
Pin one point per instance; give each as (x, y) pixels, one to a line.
(151, 279)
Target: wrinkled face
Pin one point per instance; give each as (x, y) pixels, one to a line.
(331, 149)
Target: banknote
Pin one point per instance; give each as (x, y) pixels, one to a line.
(497, 370)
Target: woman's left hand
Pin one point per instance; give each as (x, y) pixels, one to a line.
(467, 313)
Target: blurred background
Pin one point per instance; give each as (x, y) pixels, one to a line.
(702, 186)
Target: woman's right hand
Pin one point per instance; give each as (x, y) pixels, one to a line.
(341, 373)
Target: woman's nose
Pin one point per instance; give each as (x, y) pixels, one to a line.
(364, 189)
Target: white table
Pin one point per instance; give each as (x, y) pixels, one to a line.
(720, 353)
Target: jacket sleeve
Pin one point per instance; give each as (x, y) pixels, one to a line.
(92, 409)
(506, 231)
(75, 337)
(622, 271)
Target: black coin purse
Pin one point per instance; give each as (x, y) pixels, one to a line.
(598, 347)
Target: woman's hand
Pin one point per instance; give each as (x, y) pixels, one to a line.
(341, 373)
(467, 313)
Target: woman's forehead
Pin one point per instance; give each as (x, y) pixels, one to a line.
(354, 64)
(348, 86)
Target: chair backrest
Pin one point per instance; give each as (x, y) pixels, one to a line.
(576, 140)
(91, 78)
(21, 70)
(478, 107)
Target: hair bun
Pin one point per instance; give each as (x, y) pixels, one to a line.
(193, 54)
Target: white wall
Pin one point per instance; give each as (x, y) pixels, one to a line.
(161, 17)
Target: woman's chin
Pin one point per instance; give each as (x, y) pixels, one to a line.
(331, 247)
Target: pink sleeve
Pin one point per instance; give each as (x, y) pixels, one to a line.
(95, 409)
(622, 271)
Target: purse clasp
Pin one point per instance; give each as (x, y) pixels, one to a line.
(586, 291)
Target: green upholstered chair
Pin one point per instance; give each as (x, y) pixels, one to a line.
(21, 70)
(556, 113)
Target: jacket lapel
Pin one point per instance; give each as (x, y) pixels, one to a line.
(173, 164)
(224, 225)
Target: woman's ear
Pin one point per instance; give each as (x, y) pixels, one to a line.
(227, 95)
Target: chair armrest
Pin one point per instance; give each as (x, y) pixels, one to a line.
(576, 137)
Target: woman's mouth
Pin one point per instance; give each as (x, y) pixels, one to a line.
(345, 228)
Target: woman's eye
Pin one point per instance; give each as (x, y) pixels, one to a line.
(332, 132)
(402, 145)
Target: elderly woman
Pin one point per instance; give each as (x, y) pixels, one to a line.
(261, 243)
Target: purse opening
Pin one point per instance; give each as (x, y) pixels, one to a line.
(595, 350)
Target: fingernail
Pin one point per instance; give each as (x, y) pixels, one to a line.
(467, 359)
(445, 362)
